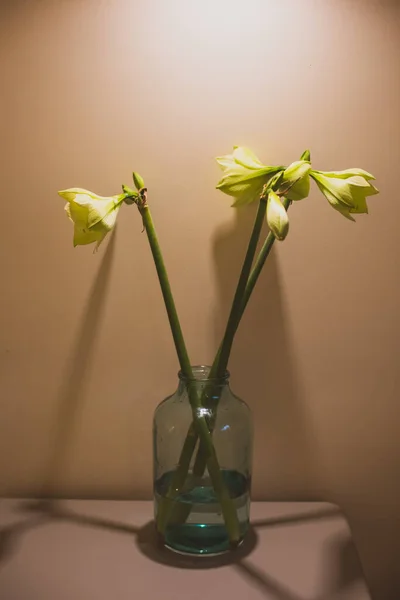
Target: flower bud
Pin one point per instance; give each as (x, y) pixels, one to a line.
(277, 218)
(306, 156)
(296, 181)
(138, 181)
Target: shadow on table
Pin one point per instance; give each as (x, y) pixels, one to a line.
(345, 565)
(311, 515)
(345, 569)
(10, 535)
(264, 582)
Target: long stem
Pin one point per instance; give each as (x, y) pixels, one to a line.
(258, 265)
(173, 318)
(218, 368)
(223, 354)
(226, 345)
(201, 427)
(199, 464)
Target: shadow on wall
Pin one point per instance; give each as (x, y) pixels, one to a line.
(263, 371)
(71, 395)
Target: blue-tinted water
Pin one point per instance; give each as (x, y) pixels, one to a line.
(204, 531)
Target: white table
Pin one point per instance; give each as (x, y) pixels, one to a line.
(105, 550)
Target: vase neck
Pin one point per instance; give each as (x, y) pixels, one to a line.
(201, 378)
(201, 374)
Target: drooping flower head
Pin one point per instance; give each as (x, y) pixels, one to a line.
(93, 216)
(247, 179)
(244, 175)
(346, 191)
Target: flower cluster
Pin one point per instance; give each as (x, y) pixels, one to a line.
(247, 179)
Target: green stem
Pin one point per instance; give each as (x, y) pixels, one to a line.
(199, 464)
(258, 265)
(222, 358)
(199, 420)
(234, 320)
(173, 318)
(219, 366)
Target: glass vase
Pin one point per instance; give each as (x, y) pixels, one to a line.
(183, 488)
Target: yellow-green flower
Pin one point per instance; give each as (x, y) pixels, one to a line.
(296, 179)
(93, 216)
(347, 190)
(244, 175)
(277, 218)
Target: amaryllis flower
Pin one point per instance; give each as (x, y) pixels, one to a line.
(93, 216)
(347, 190)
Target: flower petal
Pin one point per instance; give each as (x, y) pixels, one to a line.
(347, 173)
(250, 194)
(335, 199)
(245, 157)
(84, 236)
(371, 190)
(297, 169)
(360, 204)
(297, 177)
(93, 216)
(76, 212)
(247, 176)
(108, 222)
(225, 162)
(98, 211)
(247, 188)
(79, 193)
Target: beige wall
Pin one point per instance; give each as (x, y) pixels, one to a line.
(91, 90)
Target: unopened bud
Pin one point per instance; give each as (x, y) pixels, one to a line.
(138, 181)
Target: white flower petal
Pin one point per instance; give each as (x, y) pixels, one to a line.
(348, 173)
(245, 157)
(93, 216)
(225, 162)
(297, 176)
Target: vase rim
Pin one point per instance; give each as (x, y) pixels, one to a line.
(200, 374)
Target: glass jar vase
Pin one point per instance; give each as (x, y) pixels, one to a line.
(190, 514)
